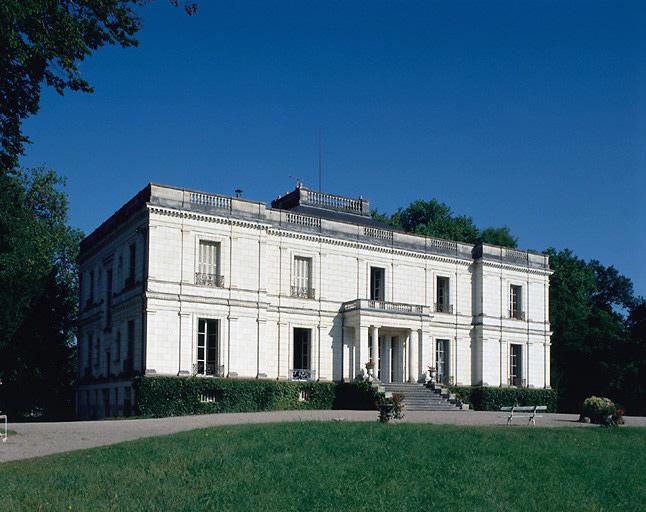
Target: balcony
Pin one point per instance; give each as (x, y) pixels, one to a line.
(303, 292)
(443, 308)
(385, 306)
(516, 315)
(214, 280)
(209, 370)
(302, 374)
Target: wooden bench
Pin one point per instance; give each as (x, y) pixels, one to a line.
(530, 409)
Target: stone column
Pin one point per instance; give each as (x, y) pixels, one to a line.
(360, 349)
(374, 335)
(421, 365)
(411, 356)
(386, 358)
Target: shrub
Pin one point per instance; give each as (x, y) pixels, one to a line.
(179, 396)
(602, 411)
(358, 395)
(484, 398)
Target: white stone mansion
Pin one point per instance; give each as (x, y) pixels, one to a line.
(179, 282)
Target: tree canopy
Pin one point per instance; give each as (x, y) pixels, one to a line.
(436, 219)
(38, 276)
(598, 343)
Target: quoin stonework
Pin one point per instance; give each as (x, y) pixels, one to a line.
(186, 283)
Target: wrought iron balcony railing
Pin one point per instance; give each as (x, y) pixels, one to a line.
(210, 369)
(209, 280)
(302, 374)
(517, 315)
(443, 308)
(303, 292)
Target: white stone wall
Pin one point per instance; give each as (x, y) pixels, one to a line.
(257, 315)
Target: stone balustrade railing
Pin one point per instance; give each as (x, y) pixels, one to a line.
(382, 305)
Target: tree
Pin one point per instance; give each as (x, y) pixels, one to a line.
(45, 41)
(596, 347)
(436, 219)
(38, 276)
(499, 236)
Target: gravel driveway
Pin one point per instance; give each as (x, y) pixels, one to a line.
(37, 439)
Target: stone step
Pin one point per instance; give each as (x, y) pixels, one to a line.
(418, 397)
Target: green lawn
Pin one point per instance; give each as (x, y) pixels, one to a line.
(342, 466)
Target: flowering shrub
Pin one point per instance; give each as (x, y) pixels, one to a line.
(602, 411)
(390, 407)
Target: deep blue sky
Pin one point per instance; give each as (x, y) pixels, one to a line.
(526, 114)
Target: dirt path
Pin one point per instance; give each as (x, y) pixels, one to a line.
(37, 439)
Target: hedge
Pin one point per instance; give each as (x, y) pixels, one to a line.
(484, 398)
(179, 396)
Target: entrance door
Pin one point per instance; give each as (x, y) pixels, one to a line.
(301, 369)
(441, 349)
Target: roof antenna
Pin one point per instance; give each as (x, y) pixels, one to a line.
(299, 182)
(238, 192)
(320, 160)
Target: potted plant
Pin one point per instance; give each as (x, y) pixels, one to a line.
(390, 407)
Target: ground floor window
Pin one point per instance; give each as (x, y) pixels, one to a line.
(127, 401)
(442, 361)
(301, 369)
(515, 365)
(207, 348)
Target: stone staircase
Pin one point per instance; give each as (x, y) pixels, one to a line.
(418, 397)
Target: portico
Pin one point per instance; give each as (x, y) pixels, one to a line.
(389, 341)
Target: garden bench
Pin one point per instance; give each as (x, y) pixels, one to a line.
(6, 432)
(530, 409)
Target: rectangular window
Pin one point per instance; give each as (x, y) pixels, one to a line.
(97, 354)
(515, 365)
(117, 346)
(108, 299)
(208, 264)
(132, 266)
(302, 347)
(115, 405)
(90, 343)
(442, 361)
(90, 299)
(127, 401)
(302, 285)
(442, 297)
(377, 283)
(207, 348)
(515, 302)
(130, 348)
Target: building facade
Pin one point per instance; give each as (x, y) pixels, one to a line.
(185, 283)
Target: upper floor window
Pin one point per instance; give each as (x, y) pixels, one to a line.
(90, 298)
(302, 283)
(377, 283)
(108, 299)
(515, 302)
(442, 296)
(117, 347)
(132, 266)
(208, 264)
